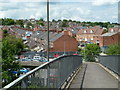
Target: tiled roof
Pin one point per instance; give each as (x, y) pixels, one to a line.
(114, 29)
(108, 34)
(56, 37)
(93, 30)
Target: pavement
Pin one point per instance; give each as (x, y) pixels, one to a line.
(77, 81)
(95, 77)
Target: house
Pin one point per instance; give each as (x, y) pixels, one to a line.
(114, 29)
(109, 38)
(63, 42)
(86, 35)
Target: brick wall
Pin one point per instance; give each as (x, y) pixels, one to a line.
(109, 40)
(65, 43)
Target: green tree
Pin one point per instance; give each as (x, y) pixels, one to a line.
(70, 20)
(20, 22)
(29, 25)
(41, 19)
(64, 23)
(113, 49)
(5, 33)
(53, 20)
(8, 21)
(41, 22)
(58, 20)
(90, 52)
(11, 47)
(65, 20)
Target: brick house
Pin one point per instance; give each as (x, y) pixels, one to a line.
(114, 29)
(109, 38)
(63, 43)
(86, 35)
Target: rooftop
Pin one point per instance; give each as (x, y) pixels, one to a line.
(108, 34)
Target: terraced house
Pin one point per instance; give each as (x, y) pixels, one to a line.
(86, 35)
(109, 38)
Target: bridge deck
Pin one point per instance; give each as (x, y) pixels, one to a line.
(95, 77)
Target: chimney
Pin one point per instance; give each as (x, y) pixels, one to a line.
(66, 32)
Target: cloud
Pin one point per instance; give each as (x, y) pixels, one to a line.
(103, 2)
(83, 11)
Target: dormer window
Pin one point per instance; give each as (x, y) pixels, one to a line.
(112, 30)
(91, 38)
(85, 31)
(91, 31)
(80, 39)
(85, 39)
(119, 30)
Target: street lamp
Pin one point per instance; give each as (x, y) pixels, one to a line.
(48, 29)
(64, 47)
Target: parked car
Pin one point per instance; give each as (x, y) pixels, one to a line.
(29, 59)
(36, 58)
(43, 59)
(75, 54)
(24, 59)
(24, 70)
(21, 59)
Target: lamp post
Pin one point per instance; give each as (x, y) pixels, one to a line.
(64, 47)
(48, 68)
(48, 29)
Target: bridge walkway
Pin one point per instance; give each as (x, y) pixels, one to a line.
(94, 76)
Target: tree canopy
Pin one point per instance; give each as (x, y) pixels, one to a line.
(8, 21)
(20, 22)
(113, 49)
(90, 52)
(29, 25)
(11, 46)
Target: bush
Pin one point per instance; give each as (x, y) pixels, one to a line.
(113, 49)
(90, 52)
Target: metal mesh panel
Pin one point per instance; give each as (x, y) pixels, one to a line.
(51, 75)
(112, 62)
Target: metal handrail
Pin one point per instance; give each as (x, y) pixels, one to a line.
(111, 62)
(17, 81)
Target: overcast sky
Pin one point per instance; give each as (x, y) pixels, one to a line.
(87, 10)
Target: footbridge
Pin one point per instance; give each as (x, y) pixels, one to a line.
(70, 72)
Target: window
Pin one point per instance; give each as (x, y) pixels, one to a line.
(119, 30)
(51, 45)
(85, 31)
(112, 30)
(91, 31)
(80, 39)
(91, 38)
(85, 39)
(97, 41)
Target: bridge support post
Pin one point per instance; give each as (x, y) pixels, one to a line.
(48, 76)
(24, 84)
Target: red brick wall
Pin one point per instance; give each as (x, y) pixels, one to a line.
(107, 40)
(95, 38)
(66, 43)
